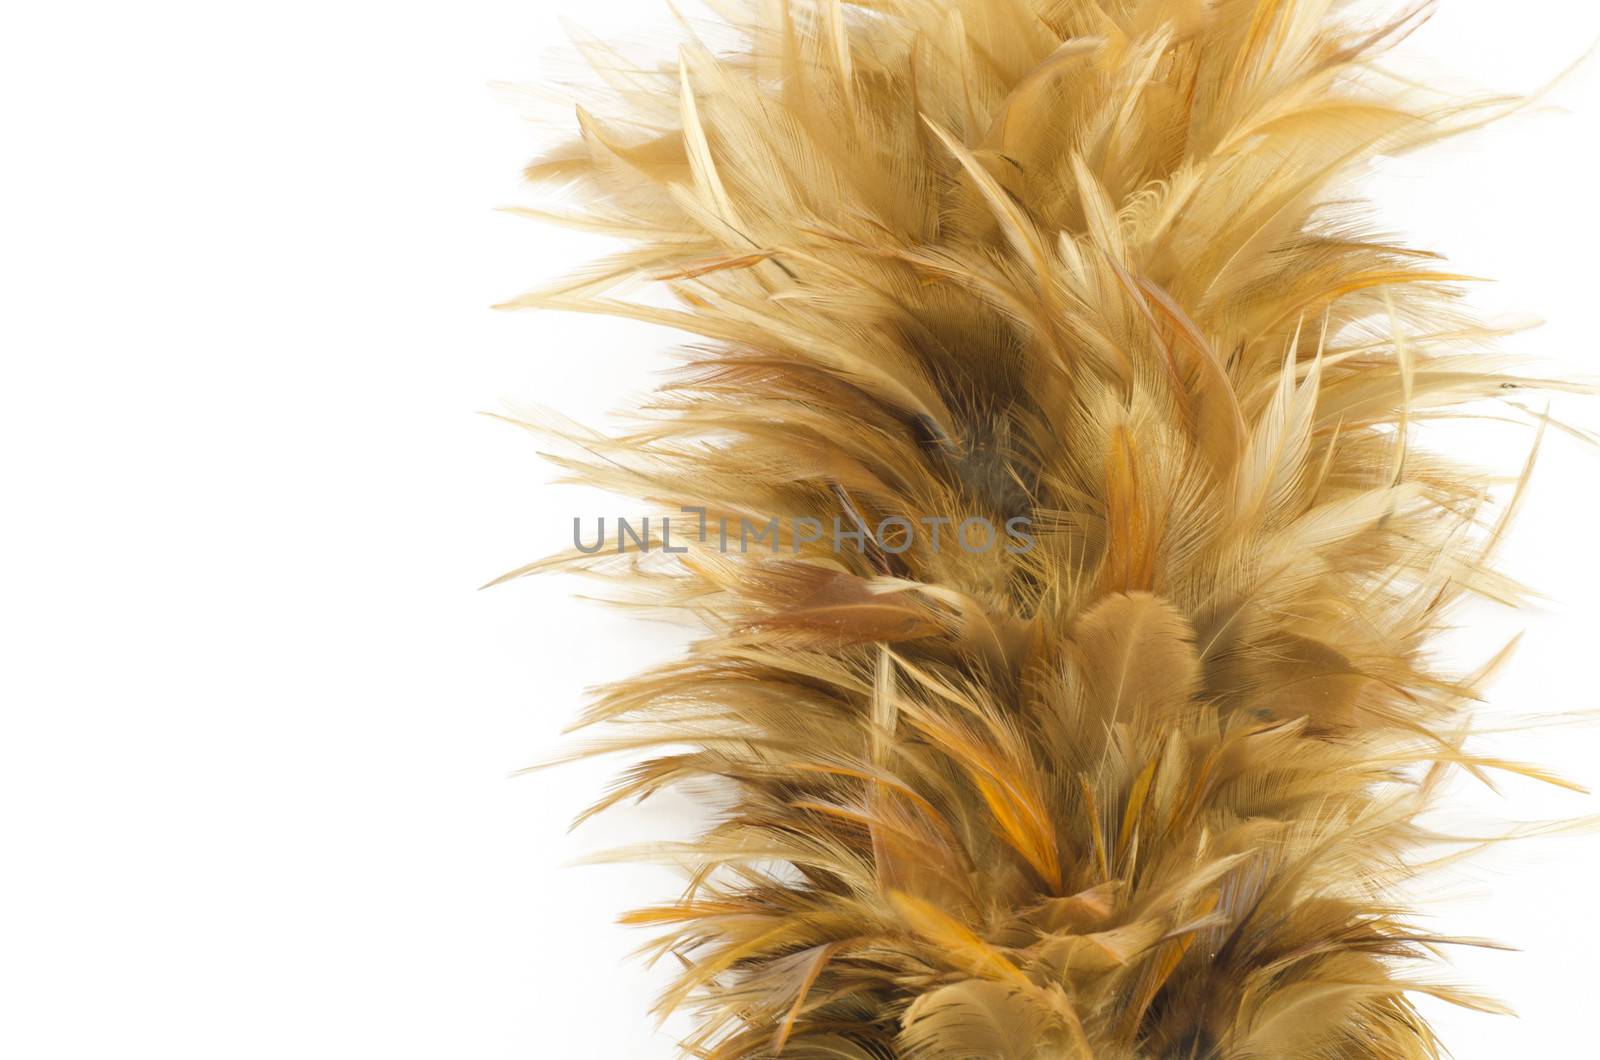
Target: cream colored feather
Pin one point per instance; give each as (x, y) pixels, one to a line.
(1147, 788)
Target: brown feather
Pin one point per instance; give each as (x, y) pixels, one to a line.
(1148, 788)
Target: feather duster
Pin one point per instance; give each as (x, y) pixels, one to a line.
(1048, 493)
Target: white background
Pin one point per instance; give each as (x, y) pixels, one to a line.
(258, 724)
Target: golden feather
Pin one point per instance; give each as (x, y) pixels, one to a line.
(1143, 789)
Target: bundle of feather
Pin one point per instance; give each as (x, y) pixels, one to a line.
(1146, 787)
